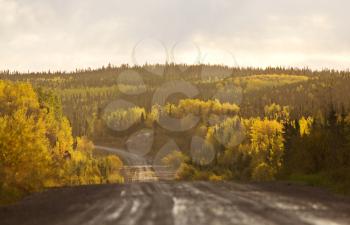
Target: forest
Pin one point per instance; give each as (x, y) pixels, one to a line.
(37, 148)
(244, 124)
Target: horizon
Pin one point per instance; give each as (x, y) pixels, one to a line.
(130, 66)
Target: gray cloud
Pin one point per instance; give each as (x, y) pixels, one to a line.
(63, 34)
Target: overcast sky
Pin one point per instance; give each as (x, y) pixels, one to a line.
(67, 34)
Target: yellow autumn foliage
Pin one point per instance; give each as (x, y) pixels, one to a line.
(36, 145)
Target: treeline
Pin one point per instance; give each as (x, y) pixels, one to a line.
(86, 93)
(160, 71)
(37, 148)
(224, 145)
(250, 123)
(315, 150)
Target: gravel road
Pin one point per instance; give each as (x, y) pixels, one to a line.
(180, 203)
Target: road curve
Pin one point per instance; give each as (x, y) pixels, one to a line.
(127, 157)
(180, 203)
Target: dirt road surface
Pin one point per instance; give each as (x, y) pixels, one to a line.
(180, 203)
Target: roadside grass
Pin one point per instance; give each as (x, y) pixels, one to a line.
(335, 181)
(10, 196)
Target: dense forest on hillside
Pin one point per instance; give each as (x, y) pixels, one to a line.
(226, 123)
(85, 93)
